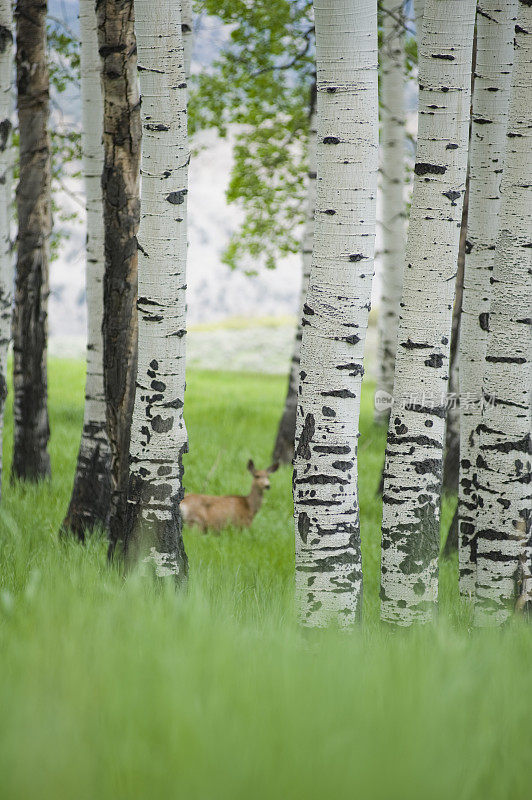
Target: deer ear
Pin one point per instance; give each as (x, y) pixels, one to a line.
(251, 465)
(274, 467)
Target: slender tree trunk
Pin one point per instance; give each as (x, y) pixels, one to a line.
(451, 450)
(504, 460)
(413, 469)
(451, 453)
(89, 503)
(335, 315)
(495, 32)
(31, 428)
(392, 77)
(159, 436)
(283, 450)
(6, 177)
(187, 30)
(121, 209)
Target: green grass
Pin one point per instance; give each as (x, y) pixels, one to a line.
(117, 689)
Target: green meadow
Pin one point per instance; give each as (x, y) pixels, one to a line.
(116, 688)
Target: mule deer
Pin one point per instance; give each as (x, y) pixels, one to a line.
(208, 511)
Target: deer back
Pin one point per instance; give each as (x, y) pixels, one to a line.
(208, 511)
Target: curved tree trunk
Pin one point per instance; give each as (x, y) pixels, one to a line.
(335, 314)
(31, 428)
(283, 450)
(504, 500)
(392, 80)
(121, 209)
(158, 433)
(413, 469)
(6, 177)
(89, 503)
(495, 32)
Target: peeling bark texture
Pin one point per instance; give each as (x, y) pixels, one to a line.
(283, 450)
(413, 468)
(504, 460)
(335, 314)
(495, 32)
(91, 493)
(31, 427)
(158, 433)
(6, 178)
(392, 81)
(121, 209)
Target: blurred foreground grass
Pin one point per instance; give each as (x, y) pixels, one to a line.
(114, 689)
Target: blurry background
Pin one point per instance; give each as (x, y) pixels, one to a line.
(254, 315)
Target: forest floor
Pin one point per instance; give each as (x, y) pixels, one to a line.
(116, 689)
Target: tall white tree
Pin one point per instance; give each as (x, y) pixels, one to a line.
(504, 462)
(158, 433)
(413, 468)
(6, 168)
(491, 93)
(335, 314)
(284, 444)
(89, 503)
(392, 106)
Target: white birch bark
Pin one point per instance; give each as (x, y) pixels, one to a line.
(187, 29)
(419, 7)
(6, 178)
(413, 468)
(335, 313)
(504, 451)
(491, 93)
(158, 433)
(283, 450)
(89, 504)
(392, 82)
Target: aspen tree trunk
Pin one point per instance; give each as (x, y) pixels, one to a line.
(187, 30)
(283, 450)
(158, 433)
(335, 314)
(413, 468)
(121, 209)
(451, 452)
(6, 168)
(392, 77)
(495, 33)
(419, 8)
(504, 461)
(31, 428)
(89, 503)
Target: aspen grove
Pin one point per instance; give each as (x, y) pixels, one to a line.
(316, 100)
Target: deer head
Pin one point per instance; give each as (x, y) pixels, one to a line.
(261, 477)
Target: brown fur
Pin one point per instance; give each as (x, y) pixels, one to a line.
(214, 513)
